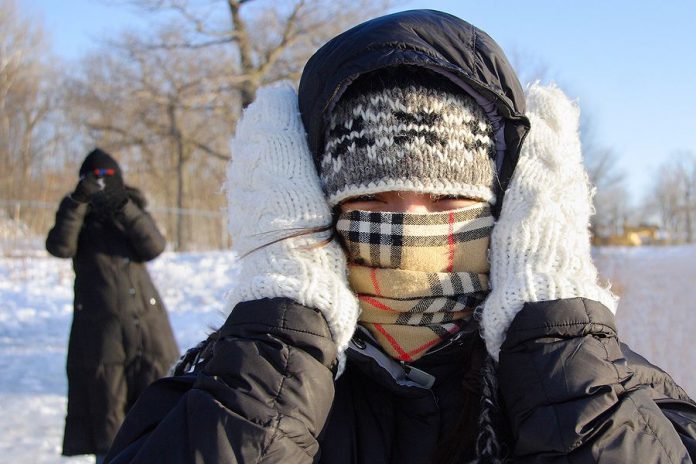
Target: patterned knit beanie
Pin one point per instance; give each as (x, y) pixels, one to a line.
(409, 130)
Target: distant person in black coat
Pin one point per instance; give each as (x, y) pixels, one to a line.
(121, 339)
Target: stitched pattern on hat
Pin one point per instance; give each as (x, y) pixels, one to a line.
(434, 139)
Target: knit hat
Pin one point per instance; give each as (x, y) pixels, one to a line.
(403, 130)
(99, 159)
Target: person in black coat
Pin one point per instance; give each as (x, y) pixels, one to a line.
(415, 282)
(121, 339)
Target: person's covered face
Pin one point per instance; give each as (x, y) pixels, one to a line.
(418, 263)
(409, 162)
(103, 167)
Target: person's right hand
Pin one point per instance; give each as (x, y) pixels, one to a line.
(273, 192)
(86, 187)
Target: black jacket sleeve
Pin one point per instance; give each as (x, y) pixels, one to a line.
(262, 397)
(574, 394)
(62, 238)
(141, 231)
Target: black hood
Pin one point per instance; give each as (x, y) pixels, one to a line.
(427, 38)
(99, 159)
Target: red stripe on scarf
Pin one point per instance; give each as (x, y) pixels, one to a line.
(402, 354)
(373, 275)
(450, 241)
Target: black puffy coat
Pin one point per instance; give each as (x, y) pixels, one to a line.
(265, 394)
(120, 339)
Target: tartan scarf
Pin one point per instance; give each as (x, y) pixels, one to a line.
(418, 276)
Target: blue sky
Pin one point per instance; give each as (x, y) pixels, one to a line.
(630, 64)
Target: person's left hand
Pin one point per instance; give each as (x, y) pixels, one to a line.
(85, 188)
(540, 246)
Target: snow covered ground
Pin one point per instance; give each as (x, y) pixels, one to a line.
(35, 315)
(657, 310)
(655, 317)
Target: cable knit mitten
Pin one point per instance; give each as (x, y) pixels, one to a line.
(540, 247)
(274, 192)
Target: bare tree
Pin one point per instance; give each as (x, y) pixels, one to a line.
(31, 133)
(270, 40)
(25, 100)
(673, 196)
(613, 205)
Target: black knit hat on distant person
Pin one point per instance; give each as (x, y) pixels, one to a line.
(98, 159)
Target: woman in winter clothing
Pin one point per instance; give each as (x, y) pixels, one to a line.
(429, 296)
(121, 339)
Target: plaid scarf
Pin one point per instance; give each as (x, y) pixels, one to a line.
(418, 277)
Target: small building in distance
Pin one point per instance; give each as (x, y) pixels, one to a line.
(640, 235)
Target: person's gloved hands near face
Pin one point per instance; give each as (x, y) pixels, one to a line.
(112, 196)
(87, 186)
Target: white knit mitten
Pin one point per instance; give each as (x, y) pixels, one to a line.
(273, 192)
(540, 247)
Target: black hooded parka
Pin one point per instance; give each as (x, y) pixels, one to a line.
(263, 388)
(121, 339)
